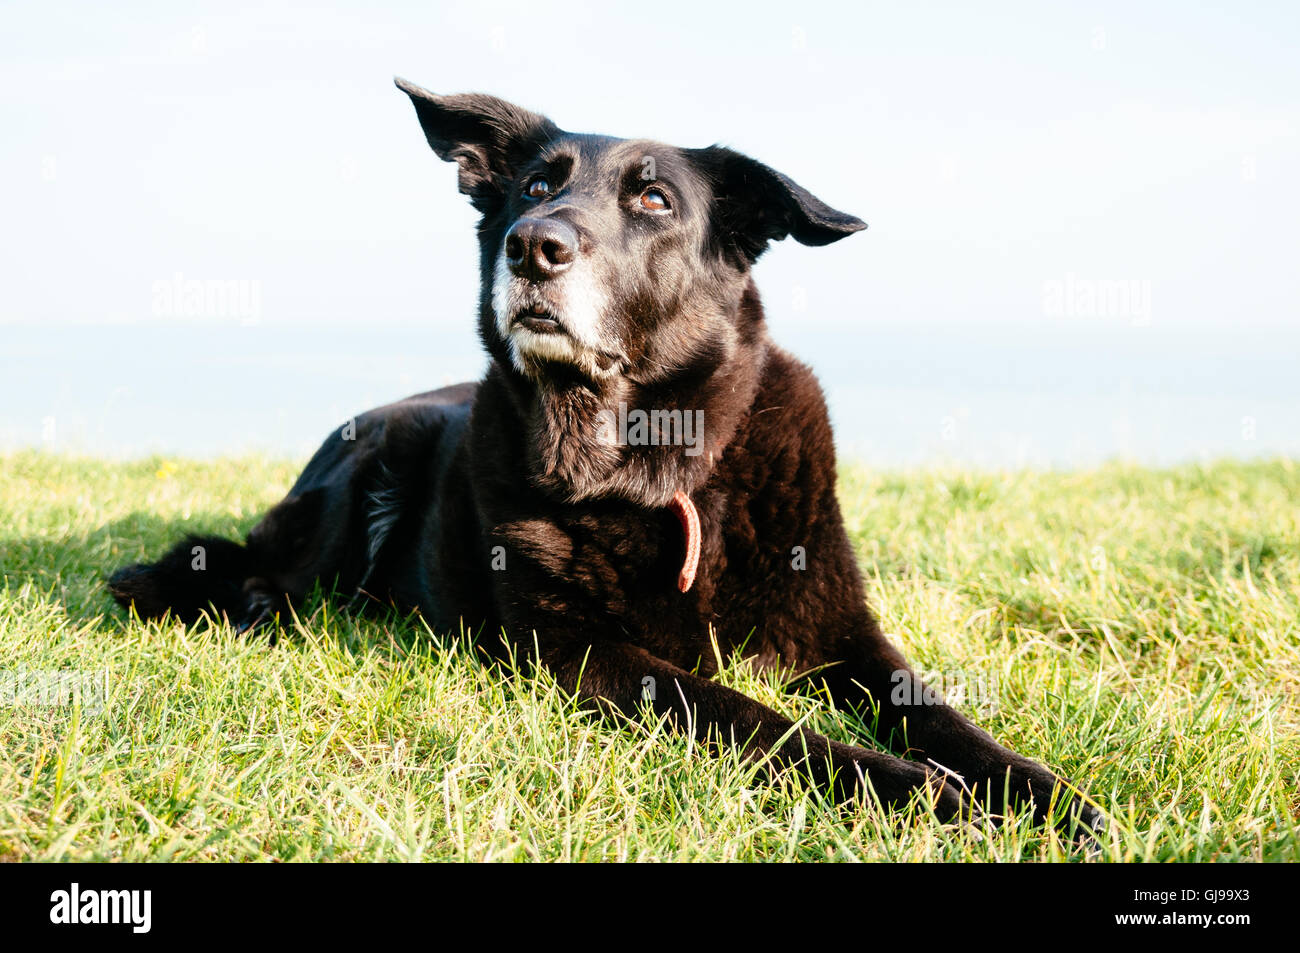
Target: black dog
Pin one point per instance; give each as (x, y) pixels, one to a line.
(640, 467)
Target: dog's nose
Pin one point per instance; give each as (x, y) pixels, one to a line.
(540, 248)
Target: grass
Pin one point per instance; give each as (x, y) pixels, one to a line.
(1141, 629)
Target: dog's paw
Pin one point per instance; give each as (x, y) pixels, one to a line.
(263, 610)
(1085, 824)
(897, 783)
(1060, 804)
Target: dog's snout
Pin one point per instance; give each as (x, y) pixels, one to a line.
(540, 248)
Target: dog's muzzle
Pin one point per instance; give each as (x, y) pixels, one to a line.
(547, 301)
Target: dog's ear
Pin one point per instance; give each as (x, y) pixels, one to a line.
(755, 205)
(487, 137)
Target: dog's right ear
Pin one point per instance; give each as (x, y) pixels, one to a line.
(487, 137)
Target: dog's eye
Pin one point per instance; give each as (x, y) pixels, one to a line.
(538, 188)
(654, 201)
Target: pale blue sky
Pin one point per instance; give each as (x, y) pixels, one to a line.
(997, 151)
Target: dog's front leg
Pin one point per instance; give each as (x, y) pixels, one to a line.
(621, 676)
(871, 675)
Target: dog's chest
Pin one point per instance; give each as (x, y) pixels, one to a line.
(617, 559)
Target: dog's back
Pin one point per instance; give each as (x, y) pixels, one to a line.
(352, 521)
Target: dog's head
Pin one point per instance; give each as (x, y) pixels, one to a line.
(611, 258)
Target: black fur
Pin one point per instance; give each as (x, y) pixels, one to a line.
(614, 274)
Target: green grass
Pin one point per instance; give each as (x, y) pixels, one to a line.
(1141, 628)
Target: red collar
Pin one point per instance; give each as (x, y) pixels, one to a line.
(690, 518)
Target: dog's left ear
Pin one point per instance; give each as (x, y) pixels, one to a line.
(485, 136)
(756, 205)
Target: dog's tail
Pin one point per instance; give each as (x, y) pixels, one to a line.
(199, 574)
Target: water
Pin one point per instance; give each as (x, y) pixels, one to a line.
(1054, 394)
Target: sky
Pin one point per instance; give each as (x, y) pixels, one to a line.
(1114, 174)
